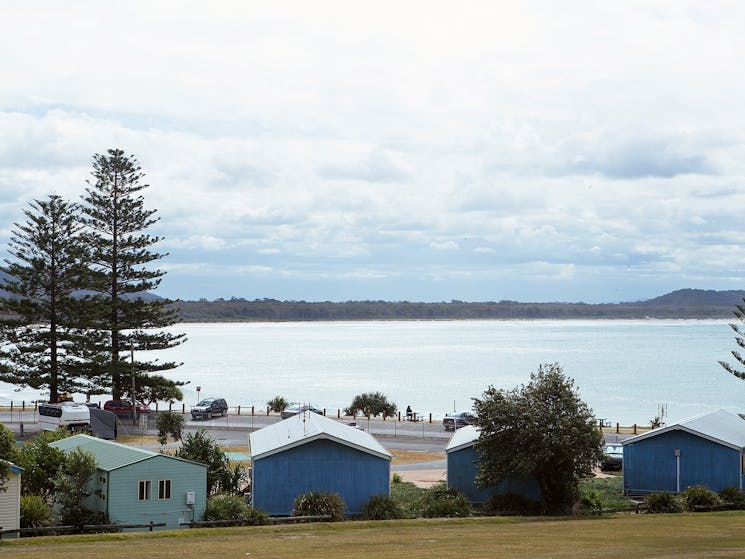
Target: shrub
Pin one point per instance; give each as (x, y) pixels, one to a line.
(699, 496)
(233, 507)
(35, 512)
(381, 507)
(319, 503)
(441, 501)
(397, 478)
(733, 496)
(371, 404)
(590, 501)
(662, 501)
(407, 495)
(511, 503)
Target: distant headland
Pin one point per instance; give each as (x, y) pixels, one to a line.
(682, 304)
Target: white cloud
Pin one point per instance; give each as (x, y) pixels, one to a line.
(351, 141)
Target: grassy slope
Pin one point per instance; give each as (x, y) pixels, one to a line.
(689, 536)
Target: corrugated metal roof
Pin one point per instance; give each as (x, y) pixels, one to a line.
(462, 438)
(720, 426)
(305, 427)
(109, 455)
(13, 467)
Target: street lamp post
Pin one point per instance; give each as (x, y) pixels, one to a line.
(199, 389)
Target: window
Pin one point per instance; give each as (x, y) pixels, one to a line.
(143, 490)
(164, 489)
(102, 480)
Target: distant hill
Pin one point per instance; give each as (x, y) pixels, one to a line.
(684, 303)
(699, 297)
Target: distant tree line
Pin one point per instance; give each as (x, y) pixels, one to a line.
(258, 310)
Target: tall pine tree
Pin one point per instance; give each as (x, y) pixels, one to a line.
(44, 343)
(123, 272)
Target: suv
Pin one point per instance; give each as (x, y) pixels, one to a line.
(296, 409)
(454, 421)
(209, 407)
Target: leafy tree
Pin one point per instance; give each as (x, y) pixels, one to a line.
(200, 447)
(169, 423)
(7, 454)
(371, 404)
(45, 343)
(72, 491)
(41, 463)
(278, 404)
(122, 260)
(541, 431)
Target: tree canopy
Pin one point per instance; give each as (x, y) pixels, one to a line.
(371, 404)
(541, 431)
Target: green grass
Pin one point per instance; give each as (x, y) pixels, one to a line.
(691, 536)
(610, 490)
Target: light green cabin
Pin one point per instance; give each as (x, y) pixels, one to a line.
(137, 486)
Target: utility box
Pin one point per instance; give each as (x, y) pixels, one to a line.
(190, 498)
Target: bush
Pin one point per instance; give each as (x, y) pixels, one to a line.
(35, 512)
(407, 495)
(371, 404)
(441, 501)
(511, 503)
(319, 503)
(733, 496)
(233, 507)
(699, 496)
(590, 501)
(662, 501)
(381, 507)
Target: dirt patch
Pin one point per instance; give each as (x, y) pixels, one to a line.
(415, 456)
(423, 478)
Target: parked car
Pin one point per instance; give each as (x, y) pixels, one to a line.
(124, 407)
(299, 408)
(209, 408)
(612, 458)
(454, 421)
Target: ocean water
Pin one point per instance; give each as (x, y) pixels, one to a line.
(625, 370)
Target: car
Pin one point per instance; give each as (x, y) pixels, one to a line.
(295, 409)
(454, 421)
(124, 407)
(612, 458)
(209, 408)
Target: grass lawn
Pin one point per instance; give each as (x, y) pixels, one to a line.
(689, 536)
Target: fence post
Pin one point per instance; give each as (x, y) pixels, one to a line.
(183, 408)
(23, 405)
(338, 414)
(618, 428)
(634, 428)
(11, 408)
(324, 412)
(430, 417)
(170, 406)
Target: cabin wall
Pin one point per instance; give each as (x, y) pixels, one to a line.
(463, 466)
(125, 507)
(10, 503)
(651, 465)
(319, 465)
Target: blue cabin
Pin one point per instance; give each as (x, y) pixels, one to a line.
(703, 450)
(137, 486)
(463, 466)
(310, 452)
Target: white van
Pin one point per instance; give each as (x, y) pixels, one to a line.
(71, 415)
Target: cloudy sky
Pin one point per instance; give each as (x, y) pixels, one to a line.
(422, 151)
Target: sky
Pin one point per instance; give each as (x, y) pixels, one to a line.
(421, 151)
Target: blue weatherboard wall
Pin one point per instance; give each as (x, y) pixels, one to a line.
(462, 469)
(650, 464)
(320, 465)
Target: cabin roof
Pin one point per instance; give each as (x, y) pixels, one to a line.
(721, 426)
(306, 427)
